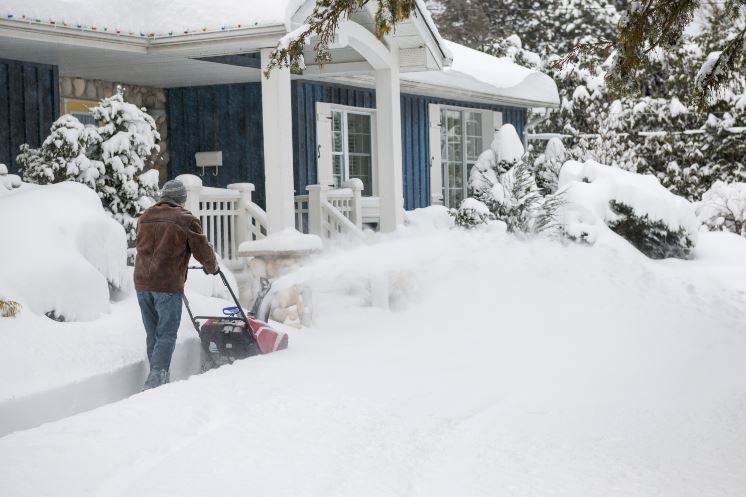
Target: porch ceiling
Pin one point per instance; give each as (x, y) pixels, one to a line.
(133, 66)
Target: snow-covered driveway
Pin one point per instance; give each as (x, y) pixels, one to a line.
(508, 368)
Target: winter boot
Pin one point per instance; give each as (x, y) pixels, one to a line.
(156, 378)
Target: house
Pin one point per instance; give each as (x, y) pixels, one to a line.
(404, 118)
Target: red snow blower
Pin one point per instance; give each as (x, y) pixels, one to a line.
(236, 335)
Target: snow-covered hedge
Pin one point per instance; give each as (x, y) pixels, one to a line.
(635, 206)
(60, 251)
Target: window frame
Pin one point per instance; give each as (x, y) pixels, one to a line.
(464, 154)
(345, 110)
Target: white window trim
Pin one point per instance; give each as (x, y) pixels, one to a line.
(491, 122)
(348, 109)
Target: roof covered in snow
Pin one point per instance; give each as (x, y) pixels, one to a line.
(478, 72)
(153, 18)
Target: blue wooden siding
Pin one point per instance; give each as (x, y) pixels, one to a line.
(29, 104)
(229, 118)
(415, 132)
(219, 117)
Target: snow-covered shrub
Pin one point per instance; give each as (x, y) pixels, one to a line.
(653, 238)
(635, 206)
(63, 253)
(62, 156)
(9, 308)
(109, 158)
(505, 185)
(471, 213)
(723, 208)
(548, 164)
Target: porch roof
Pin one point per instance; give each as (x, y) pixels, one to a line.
(477, 72)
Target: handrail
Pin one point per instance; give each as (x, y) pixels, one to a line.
(338, 222)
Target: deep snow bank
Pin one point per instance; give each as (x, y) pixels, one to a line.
(508, 368)
(60, 251)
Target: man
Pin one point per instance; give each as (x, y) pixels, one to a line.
(167, 235)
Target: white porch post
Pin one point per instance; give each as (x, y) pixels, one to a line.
(389, 149)
(278, 147)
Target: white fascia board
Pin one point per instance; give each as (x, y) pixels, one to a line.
(470, 96)
(243, 40)
(71, 36)
(415, 88)
(249, 39)
(429, 38)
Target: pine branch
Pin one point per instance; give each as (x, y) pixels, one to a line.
(323, 24)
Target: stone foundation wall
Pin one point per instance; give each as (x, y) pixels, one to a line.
(153, 99)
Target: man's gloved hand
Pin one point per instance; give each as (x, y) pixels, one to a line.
(217, 270)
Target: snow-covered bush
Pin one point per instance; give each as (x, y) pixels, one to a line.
(63, 253)
(635, 206)
(109, 158)
(548, 164)
(502, 184)
(653, 238)
(723, 208)
(62, 155)
(472, 213)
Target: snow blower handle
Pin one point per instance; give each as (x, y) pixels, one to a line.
(228, 286)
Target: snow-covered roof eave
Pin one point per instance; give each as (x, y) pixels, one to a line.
(153, 20)
(477, 72)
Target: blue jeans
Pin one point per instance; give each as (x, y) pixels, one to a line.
(161, 315)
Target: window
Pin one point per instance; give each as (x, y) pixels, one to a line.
(462, 143)
(352, 148)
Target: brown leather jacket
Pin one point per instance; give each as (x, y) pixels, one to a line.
(167, 235)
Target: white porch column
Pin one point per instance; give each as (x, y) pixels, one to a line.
(389, 149)
(278, 147)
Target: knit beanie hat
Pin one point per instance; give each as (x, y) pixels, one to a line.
(174, 191)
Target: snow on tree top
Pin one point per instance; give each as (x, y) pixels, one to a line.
(472, 70)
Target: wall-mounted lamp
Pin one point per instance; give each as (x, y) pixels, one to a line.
(209, 159)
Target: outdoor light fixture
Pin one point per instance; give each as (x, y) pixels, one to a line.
(209, 159)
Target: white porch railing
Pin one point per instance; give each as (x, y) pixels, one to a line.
(229, 217)
(327, 213)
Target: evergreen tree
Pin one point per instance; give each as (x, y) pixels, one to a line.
(62, 155)
(128, 137)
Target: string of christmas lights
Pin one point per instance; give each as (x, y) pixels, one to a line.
(116, 31)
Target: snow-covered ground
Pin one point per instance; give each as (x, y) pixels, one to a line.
(502, 367)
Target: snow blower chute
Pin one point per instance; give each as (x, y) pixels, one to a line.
(236, 335)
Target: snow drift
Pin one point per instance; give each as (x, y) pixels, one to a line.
(508, 368)
(60, 251)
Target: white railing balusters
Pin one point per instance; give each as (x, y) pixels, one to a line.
(228, 216)
(328, 212)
